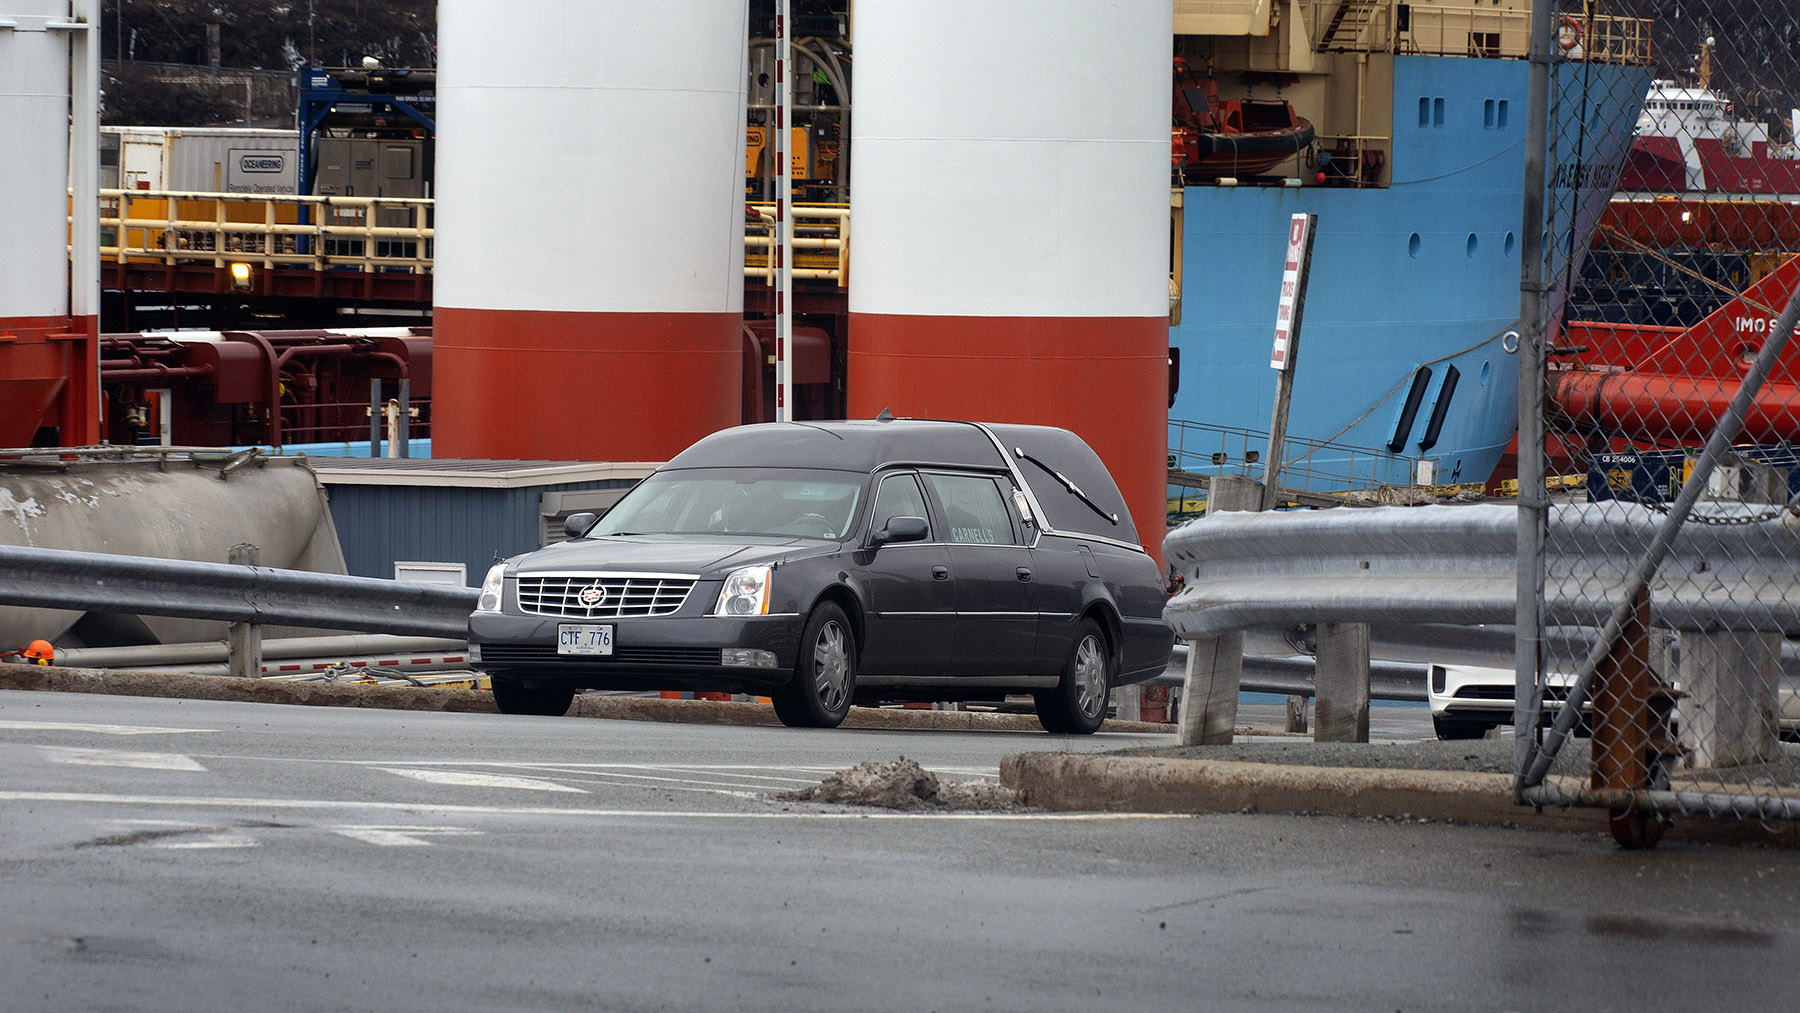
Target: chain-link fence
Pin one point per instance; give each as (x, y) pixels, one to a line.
(1659, 481)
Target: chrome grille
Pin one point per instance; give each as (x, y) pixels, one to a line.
(602, 595)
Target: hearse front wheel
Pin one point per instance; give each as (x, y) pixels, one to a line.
(818, 696)
(515, 697)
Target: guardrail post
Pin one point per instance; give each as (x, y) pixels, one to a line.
(244, 640)
(1728, 716)
(1341, 683)
(1215, 665)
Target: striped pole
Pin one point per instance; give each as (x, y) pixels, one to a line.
(784, 224)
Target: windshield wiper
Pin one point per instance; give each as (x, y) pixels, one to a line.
(1071, 486)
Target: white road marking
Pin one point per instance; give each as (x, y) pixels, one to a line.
(229, 802)
(604, 772)
(119, 758)
(471, 780)
(216, 837)
(221, 841)
(62, 726)
(601, 778)
(398, 836)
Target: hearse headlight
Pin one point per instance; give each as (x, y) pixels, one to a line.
(491, 585)
(746, 593)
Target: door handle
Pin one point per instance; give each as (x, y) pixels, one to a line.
(1024, 573)
(940, 573)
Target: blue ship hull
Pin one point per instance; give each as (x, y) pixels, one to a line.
(1422, 273)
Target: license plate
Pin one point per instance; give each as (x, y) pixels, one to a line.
(581, 638)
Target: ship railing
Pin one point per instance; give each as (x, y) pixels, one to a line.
(1471, 30)
(1607, 39)
(1312, 471)
(369, 234)
(350, 421)
(379, 233)
(821, 242)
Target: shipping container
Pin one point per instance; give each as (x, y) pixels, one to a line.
(199, 159)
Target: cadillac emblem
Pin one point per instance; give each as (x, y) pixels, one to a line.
(592, 596)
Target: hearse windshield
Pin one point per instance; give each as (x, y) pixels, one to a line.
(748, 501)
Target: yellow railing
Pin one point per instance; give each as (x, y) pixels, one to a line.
(1606, 39)
(378, 233)
(821, 242)
(175, 227)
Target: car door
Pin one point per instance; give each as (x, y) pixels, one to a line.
(996, 593)
(910, 610)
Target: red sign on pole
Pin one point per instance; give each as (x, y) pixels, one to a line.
(1293, 289)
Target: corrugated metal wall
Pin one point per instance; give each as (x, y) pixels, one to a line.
(378, 525)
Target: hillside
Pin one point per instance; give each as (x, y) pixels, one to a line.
(1756, 47)
(273, 34)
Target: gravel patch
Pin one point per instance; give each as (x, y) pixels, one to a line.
(903, 784)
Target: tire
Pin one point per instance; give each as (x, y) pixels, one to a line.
(1077, 705)
(819, 694)
(1454, 728)
(514, 697)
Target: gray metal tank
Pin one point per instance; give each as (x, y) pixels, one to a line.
(167, 502)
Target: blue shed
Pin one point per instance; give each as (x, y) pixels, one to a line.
(390, 510)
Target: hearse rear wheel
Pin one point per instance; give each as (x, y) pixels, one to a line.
(1077, 705)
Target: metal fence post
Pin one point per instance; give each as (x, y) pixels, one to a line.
(1534, 503)
(244, 640)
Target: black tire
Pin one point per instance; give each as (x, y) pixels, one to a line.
(515, 697)
(1454, 728)
(1635, 829)
(1077, 705)
(819, 694)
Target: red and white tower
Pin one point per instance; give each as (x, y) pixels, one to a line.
(589, 260)
(1011, 202)
(50, 276)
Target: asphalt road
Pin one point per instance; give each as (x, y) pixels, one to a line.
(164, 854)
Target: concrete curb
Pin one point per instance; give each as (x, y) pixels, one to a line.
(1089, 782)
(118, 682)
(1083, 782)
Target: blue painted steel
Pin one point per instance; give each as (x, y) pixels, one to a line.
(320, 95)
(1656, 476)
(1422, 272)
(379, 525)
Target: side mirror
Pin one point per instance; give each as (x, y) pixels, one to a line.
(900, 529)
(578, 524)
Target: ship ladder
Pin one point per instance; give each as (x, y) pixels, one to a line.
(1347, 25)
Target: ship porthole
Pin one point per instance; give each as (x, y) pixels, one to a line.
(1472, 244)
(1510, 243)
(1412, 244)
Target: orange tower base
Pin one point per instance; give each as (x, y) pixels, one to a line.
(541, 385)
(1105, 378)
(50, 376)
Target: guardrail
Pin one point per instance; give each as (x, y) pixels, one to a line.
(251, 595)
(1457, 564)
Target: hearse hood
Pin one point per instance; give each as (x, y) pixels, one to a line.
(664, 554)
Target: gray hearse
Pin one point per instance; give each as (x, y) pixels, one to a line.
(825, 563)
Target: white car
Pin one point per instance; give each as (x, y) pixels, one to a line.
(1467, 700)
